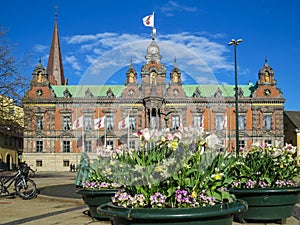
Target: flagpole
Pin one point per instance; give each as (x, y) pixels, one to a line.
(76, 136)
(105, 131)
(153, 28)
(229, 129)
(202, 123)
(98, 130)
(226, 138)
(82, 133)
(225, 126)
(128, 132)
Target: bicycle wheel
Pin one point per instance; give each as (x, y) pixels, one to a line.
(2, 186)
(32, 173)
(25, 188)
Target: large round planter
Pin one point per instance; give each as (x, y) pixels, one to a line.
(95, 198)
(210, 215)
(268, 204)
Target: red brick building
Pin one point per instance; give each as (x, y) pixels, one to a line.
(51, 107)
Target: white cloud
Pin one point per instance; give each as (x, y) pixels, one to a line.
(73, 61)
(40, 48)
(104, 54)
(173, 6)
(78, 39)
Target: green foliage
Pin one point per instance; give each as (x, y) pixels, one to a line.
(165, 169)
(266, 166)
(167, 164)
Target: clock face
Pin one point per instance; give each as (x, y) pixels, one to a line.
(153, 50)
(175, 92)
(267, 92)
(131, 92)
(39, 92)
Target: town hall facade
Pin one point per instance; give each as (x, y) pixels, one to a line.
(51, 107)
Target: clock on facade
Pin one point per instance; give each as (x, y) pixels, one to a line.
(175, 92)
(130, 92)
(153, 50)
(39, 92)
(267, 92)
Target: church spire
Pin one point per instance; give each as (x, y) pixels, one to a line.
(55, 67)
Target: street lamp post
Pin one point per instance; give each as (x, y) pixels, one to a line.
(236, 43)
(166, 118)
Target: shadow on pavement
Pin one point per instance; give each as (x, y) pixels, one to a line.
(62, 191)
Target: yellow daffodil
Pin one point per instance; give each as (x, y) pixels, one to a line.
(158, 169)
(217, 176)
(173, 145)
(194, 194)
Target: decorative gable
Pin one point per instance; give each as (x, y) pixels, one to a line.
(67, 93)
(240, 92)
(88, 93)
(266, 75)
(218, 93)
(39, 76)
(131, 75)
(266, 84)
(197, 93)
(175, 75)
(110, 94)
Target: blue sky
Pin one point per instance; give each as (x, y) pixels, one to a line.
(104, 35)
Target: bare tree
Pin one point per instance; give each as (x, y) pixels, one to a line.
(12, 83)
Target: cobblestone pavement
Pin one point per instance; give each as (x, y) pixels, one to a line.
(46, 209)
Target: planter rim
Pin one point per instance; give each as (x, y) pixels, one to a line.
(173, 213)
(86, 191)
(266, 190)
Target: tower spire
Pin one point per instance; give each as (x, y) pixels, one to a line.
(56, 13)
(266, 61)
(131, 66)
(55, 65)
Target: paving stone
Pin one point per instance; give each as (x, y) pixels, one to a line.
(66, 209)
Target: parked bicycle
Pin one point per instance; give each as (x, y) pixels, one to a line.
(32, 172)
(23, 186)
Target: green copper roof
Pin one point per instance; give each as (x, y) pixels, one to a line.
(210, 90)
(101, 90)
(78, 91)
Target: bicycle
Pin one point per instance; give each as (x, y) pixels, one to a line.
(23, 186)
(32, 172)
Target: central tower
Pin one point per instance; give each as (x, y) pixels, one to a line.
(153, 86)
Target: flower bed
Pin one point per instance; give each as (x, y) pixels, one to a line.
(265, 177)
(266, 166)
(172, 170)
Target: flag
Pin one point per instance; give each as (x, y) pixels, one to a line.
(180, 128)
(99, 123)
(78, 123)
(149, 20)
(224, 123)
(201, 125)
(124, 123)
